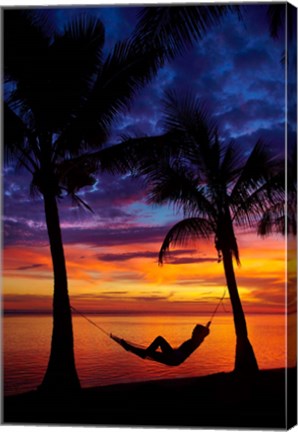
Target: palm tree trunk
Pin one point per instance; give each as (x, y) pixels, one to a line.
(245, 360)
(61, 374)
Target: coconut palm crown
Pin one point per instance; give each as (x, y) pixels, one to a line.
(218, 187)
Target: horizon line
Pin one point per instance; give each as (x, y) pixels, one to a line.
(28, 312)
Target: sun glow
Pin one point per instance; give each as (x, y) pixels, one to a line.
(128, 277)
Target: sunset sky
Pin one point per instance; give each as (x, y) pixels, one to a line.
(112, 254)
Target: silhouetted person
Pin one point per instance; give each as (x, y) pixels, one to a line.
(161, 351)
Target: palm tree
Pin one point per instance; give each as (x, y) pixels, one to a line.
(61, 97)
(218, 188)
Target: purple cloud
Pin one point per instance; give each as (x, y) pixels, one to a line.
(173, 258)
(127, 256)
(29, 267)
(18, 232)
(189, 260)
(111, 235)
(153, 297)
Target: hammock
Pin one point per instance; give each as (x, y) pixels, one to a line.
(172, 358)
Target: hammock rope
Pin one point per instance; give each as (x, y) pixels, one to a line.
(90, 321)
(217, 306)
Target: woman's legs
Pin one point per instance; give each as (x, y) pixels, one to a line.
(141, 352)
(166, 355)
(161, 343)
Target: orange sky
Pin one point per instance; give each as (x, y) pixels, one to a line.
(114, 279)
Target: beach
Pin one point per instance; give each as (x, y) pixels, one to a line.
(223, 400)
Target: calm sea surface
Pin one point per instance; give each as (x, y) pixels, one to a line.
(101, 361)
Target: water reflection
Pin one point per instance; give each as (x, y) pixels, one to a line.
(101, 361)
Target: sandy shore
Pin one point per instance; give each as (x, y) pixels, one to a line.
(220, 400)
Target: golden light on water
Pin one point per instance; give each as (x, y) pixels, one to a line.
(100, 361)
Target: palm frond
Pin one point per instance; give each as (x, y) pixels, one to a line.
(132, 156)
(250, 206)
(125, 71)
(54, 76)
(24, 43)
(19, 143)
(74, 174)
(80, 202)
(176, 28)
(276, 15)
(189, 118)
(187, 114)
(74, 61)
(124, 158)
(233, 246)
(180, 113)
(230, 164)
(235, 252)
(255, 170)
(14, 133)
(187, 230)
(273, 220)
(176, 183)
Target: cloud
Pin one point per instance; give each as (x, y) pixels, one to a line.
(127, 256)
(30, 303)
(103, 236)
(128, 276)
(92, 232)
(190, 260)
(17, 231)
(252, 58)
(250, 117)
(29, 267)
(274, 139)
(111, 190)
(174, 257)
(99, 296)
(115, 292)
(122, 295)
(153, 297)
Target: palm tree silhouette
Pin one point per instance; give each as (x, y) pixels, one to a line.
(61, 97)
(217, 187)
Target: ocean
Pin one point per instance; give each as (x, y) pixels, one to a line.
(100, 361)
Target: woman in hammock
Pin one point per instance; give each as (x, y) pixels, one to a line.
(161, 351)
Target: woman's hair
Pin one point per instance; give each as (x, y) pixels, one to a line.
(199, 330)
